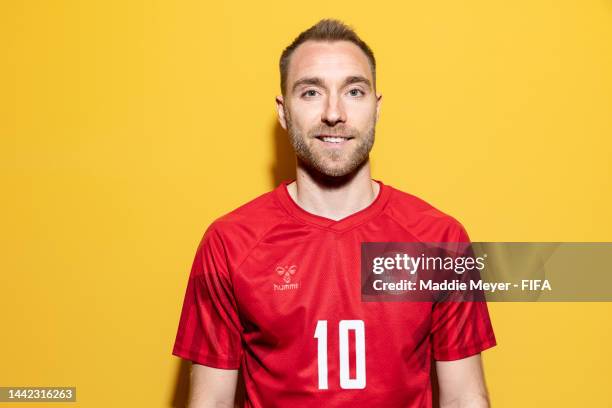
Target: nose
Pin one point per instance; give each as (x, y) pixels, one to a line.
(333, 111)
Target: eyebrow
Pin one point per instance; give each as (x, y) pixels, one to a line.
(316, 81)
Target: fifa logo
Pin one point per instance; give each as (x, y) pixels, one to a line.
(286, 272)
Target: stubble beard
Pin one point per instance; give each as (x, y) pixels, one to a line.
(325, 162)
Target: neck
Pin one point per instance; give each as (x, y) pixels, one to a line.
(333, 197)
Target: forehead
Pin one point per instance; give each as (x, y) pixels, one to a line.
(327, 60)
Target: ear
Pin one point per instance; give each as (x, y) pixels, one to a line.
(280, 103)
(378, 103)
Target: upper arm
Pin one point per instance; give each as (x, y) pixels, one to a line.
(209, 331)
(212, 387)
(462, 383)
(461, 329)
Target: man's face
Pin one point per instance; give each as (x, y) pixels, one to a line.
(330, 108)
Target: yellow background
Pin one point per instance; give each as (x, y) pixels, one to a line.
(128, 126)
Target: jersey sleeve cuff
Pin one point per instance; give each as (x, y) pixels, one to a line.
(464, 352)
(209, 361)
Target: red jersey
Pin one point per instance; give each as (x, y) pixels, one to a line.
(276, 290)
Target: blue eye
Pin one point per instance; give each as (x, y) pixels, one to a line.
(360, 92)
(308, 92)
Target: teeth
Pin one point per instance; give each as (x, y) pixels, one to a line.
(332, 139)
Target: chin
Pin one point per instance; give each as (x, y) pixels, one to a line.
(337, 171)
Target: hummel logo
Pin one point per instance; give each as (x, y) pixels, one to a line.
(286, 272)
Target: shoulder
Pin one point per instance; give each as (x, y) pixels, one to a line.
(417, 214)
(240, 229)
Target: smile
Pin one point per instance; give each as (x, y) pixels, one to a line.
(334, 139)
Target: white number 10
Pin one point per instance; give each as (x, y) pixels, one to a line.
(347, 383)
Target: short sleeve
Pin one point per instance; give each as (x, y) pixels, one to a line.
(209, 331)
(460, 328)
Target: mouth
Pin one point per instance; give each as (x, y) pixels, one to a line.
(334, 139)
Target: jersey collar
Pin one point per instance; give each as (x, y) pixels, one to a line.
(343, 224)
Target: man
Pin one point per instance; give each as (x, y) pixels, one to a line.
(275, 284)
